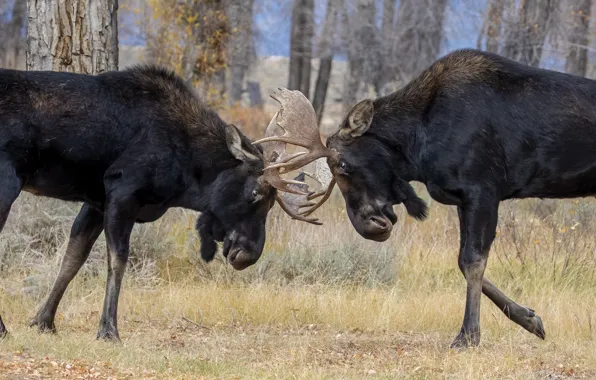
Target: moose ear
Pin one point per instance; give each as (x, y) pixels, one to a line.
(359, 118)
(234, 141)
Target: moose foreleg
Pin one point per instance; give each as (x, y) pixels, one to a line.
(10, 187)
(119, 221)
(523, 316)
(478, 221)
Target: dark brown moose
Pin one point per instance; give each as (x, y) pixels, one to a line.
(476, 129)
(130, 145)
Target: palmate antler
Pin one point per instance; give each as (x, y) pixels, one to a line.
(295, 123)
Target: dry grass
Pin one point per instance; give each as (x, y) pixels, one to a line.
(321, 303)
(184, 330)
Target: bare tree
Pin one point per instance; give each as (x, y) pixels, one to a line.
(363, 51)
(301, 46)
(525, 38)
(12, 41)
(240, 45)
(72, 35)
(418, 37)
(577, 55)
(387, 36)
(325, 49)
(491, 29)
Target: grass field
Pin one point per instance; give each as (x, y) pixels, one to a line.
(321, 303)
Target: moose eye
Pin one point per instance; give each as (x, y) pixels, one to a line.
(257, 196)
(342, 166)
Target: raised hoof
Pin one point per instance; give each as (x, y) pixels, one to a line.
(533, 324)
(44, 325)
(108, 336)
(3, 331)
(463, 341)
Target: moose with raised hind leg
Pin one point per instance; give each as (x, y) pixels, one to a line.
(476, 129)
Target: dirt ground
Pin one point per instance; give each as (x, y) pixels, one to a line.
(187, 350)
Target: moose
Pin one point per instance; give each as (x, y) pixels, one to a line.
(476, 129)
(130, 145)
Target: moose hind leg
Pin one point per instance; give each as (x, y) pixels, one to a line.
(10, 187)
(84, 232)
(523, 316)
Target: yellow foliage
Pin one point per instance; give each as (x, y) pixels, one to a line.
(189, 38)
(251, 121)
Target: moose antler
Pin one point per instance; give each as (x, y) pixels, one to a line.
(297, 121)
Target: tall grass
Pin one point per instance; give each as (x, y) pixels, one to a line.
(538, 243)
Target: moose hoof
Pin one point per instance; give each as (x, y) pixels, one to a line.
(44, 325)
(463, 340)
(533, 324)
(108, 336)
(3, 331)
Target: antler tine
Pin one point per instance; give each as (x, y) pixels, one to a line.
(298, 120)
(291, 203)
(326, 196)
(295, 215)
(295, 123)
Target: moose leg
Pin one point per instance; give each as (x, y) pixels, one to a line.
(523, 316)
(84, 232)
(479, 223)
(10, 187)
(119, 221)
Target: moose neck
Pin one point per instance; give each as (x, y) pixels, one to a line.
(210, 158)
(397, 126)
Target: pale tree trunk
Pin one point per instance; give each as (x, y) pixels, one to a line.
(326, 45)
(301, 46)
(240, 46)
(577, 57)
(525, 40)
(492, 26)
(363, 52)
(419, 32)
(72, 35)
(387, 36)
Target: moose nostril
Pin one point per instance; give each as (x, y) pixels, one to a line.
(381, 222)
(233, 255)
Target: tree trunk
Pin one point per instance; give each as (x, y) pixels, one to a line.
(492, 25)
(301, 46)
(577, 57)
(308, 33)
(387, 35)
(363, 52)
(72, 35)
(240, 45)
(418, 37)
(326, 45)
(295, 47)
(525, 40)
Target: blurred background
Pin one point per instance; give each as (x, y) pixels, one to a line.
(335, 51)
